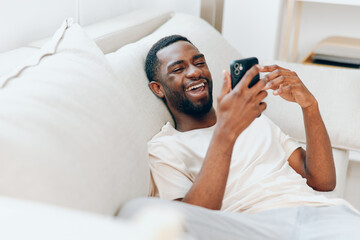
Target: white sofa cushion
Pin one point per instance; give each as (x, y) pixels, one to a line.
(13, 58)
(128, 63)
(68, 130)
(21, 219)
(341, 116)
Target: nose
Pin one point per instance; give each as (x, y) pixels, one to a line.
(193, 72)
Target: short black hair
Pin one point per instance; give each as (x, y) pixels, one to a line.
(152, 62)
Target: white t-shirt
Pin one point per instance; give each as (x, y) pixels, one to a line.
(260, 176)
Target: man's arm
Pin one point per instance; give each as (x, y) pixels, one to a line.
(237, 109)
(316, 164)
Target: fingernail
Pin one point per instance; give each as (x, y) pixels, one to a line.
(268, 85)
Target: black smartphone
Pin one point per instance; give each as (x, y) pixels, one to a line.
(238, 69)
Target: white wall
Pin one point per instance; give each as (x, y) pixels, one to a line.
(186, 6)
(91, 11)
(25, 21)
(252, 26)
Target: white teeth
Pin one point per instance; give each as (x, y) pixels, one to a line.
(195, 86)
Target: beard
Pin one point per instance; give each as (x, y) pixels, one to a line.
(180, 101)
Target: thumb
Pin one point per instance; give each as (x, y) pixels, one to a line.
(226, 84)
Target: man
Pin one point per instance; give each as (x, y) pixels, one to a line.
(234, 159)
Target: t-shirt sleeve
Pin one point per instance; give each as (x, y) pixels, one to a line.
(169, 174)
(288, 143)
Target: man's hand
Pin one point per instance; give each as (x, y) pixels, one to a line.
(316, 164)
(287, 85)
(238, 108)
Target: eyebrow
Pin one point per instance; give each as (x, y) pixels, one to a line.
(198, 56)
(181, 61)
(174, 64)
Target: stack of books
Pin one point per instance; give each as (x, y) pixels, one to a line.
(336, 51)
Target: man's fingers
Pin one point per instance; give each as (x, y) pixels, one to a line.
(277, 73)
(249, 75)
(261, 96)
(276, 77)
(226, 84)
(271, 68)
(262, 106)
(282, 79)
(282, 89)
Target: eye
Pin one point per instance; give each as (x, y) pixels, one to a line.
(200, 63)
(177, 70)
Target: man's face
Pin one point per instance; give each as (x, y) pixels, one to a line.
(185, 78)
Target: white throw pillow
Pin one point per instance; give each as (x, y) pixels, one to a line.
(10, 59)
(68, 129)
(128, 63)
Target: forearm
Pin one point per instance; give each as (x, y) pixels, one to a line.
(209, 186)
(319, 163)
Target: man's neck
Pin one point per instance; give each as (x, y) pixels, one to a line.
(186, 122)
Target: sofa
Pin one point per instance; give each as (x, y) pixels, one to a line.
(76, 114)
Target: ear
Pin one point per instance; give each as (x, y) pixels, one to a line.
(157, 88)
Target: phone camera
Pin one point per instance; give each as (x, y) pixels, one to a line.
(237, 68)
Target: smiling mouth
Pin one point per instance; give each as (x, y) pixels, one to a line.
(195, 87)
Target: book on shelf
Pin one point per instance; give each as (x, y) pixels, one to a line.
(336, 51)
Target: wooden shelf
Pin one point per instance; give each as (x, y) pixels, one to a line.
(296, 5)
(341, 2)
